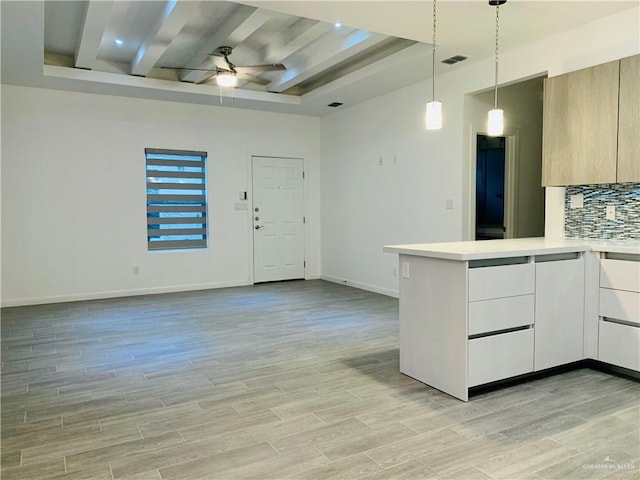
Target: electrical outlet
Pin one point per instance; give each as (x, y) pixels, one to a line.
(380, 161)
(136, 270)
(405, 270)
(577, 200)
(449, 204)
(611, 212)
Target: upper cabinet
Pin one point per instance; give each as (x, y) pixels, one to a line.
(582, 141)
(629, 121)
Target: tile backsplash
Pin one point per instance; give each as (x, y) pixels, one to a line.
(591, 222)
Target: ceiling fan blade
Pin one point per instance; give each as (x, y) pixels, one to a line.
(268, 67)
(190, 69)
(218, 61)
(252, 78)
(205, 78)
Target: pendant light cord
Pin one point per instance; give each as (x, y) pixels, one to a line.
(497, 37)
(433, 55)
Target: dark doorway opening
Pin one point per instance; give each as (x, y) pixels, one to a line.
(490, 187)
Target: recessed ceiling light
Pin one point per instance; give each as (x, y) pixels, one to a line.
(337, 24)
(118, 41)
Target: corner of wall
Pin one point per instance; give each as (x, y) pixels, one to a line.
(554, 212)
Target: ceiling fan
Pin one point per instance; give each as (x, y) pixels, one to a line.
(227, 73)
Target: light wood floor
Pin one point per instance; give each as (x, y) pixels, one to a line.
(288, 380)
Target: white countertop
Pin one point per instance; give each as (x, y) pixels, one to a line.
(484, 249)
(614, 246)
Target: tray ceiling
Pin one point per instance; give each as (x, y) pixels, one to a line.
(122, 46)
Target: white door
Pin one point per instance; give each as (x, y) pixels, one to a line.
(278, 219)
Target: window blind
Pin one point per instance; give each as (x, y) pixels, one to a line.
(176, 199)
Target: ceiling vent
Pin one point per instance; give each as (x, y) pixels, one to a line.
(454, 59)
(334, 104)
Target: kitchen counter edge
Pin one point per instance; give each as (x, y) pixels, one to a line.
(488, 249)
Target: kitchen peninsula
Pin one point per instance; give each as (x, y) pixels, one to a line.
(472, 313)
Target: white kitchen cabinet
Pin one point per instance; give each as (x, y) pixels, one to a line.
(500, 314)
(452, 343)
(619, 345)
(620, 305)
(501, 317)
(619, 311)
(433, 323)
(500, 356)
(559, 317)
(473, 313)
(501, 281)
(620, 274)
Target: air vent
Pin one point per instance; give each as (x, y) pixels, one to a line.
(454, 59)
(334, 104)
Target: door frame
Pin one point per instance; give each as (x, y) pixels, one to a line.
(250, 207)
(511, 150)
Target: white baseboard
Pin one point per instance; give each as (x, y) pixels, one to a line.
(20, 302)
(78, 297)
(361, 286)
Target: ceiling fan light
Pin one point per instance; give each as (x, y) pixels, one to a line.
(226, 79)
(495, 124)
(434, 115)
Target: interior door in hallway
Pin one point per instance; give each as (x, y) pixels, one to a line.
(278, 219)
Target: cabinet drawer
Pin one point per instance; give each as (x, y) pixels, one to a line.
(619, 345)
(501, 281)
(500, 356)
(620, 305)
(620, 274)
(500, 314)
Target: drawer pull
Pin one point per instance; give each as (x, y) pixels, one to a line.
(627, 257)
(557, 257)
(620, 322)
(500, 332)
(497, 262)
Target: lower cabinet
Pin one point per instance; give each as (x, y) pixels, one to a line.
(501, 314)
(619, 312)
(500, 356)
(500, 320)
(619, 344)
(559, 317)
(465, 324)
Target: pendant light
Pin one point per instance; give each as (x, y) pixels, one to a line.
(496, 116)
(434, 108)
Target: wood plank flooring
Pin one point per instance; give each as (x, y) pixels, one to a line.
(287, 380)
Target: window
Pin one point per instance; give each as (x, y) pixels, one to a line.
(176, 199)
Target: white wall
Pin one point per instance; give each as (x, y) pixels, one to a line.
(365, 206)
(73, 192)
(522, 103)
